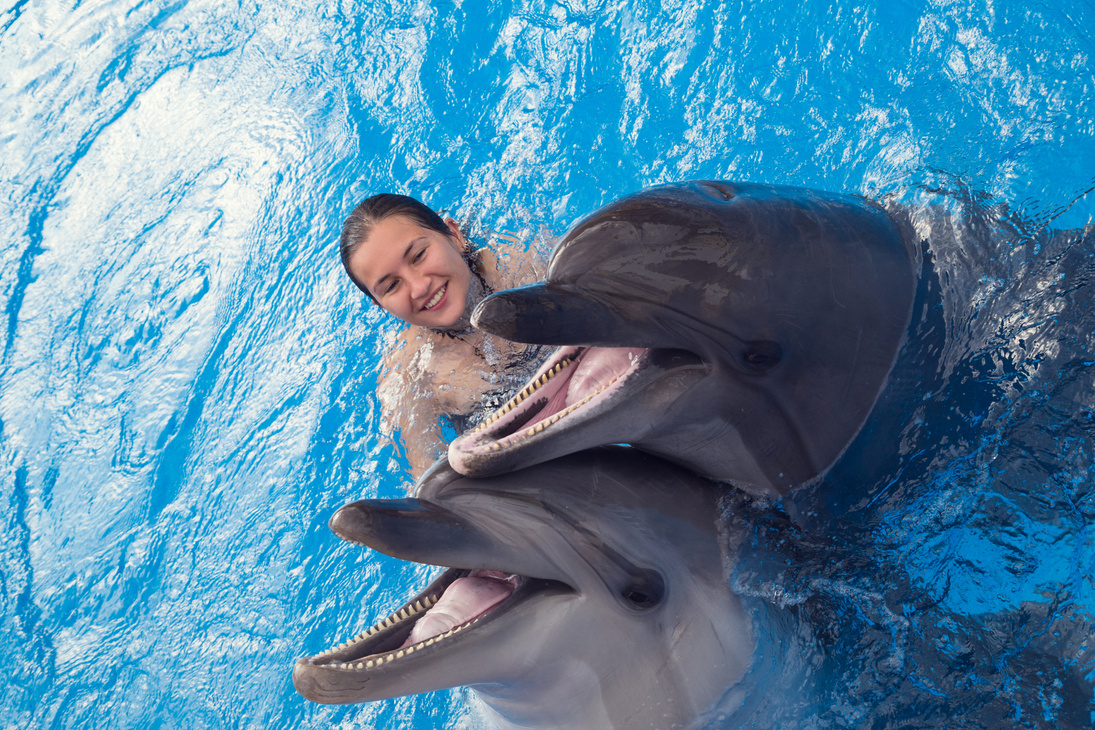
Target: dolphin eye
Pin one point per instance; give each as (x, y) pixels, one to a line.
(761, 356)
(645, 590)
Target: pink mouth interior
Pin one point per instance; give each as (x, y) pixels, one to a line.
(596, 367)
(430, 309)
(464, 599)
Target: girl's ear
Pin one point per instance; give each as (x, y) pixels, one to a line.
(461, 242)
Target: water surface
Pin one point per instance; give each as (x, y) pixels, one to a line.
(186, 384)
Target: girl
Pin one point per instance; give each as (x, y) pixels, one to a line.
(440, 373)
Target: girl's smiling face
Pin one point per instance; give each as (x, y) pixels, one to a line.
(416, 273)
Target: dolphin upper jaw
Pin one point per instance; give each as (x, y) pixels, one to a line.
(543, 418)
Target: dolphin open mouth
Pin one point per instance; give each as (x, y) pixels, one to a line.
(572, 378)
(574, 385)
(447, 613)
(399, 635)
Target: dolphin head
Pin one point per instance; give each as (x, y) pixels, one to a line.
(743, 331)
(597, 578)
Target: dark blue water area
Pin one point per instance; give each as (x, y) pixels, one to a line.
(187, 379)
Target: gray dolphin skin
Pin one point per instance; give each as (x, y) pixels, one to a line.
(742, 331)
(584, 592)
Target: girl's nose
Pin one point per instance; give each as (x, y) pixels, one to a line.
(420, 285)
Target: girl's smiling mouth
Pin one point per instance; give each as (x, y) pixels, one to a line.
(436, 298)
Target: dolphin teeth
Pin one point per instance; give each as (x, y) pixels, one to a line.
(417, 606)
(370, 664)
(399, 654)
(359, 665)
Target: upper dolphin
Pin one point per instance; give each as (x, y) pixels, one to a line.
(588, 591)
(743, 331)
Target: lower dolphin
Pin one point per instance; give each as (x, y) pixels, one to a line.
(588, 591)
(742, 331)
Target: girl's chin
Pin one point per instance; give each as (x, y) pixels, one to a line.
(441, 317)
(449, 310)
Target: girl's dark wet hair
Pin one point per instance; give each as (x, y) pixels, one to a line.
(360, 223)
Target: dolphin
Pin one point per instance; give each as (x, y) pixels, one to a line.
(588, 591)
(742, 331)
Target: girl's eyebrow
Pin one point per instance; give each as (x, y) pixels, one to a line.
(406, 253)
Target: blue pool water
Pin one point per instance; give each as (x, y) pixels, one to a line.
(186, 384)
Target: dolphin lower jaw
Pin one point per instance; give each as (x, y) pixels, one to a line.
(553, 402)
(376, 663)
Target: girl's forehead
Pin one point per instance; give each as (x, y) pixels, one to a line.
(384, 248)
(395, 226)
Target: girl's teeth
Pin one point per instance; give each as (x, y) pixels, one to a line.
(436, 297)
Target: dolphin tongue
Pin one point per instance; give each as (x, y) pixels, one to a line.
(463, 600)
(596, 368)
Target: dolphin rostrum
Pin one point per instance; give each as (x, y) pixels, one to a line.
(588, 591)
(742, 331)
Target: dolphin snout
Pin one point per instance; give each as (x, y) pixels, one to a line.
(352, 522)
(546, 314)
(305, 682)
